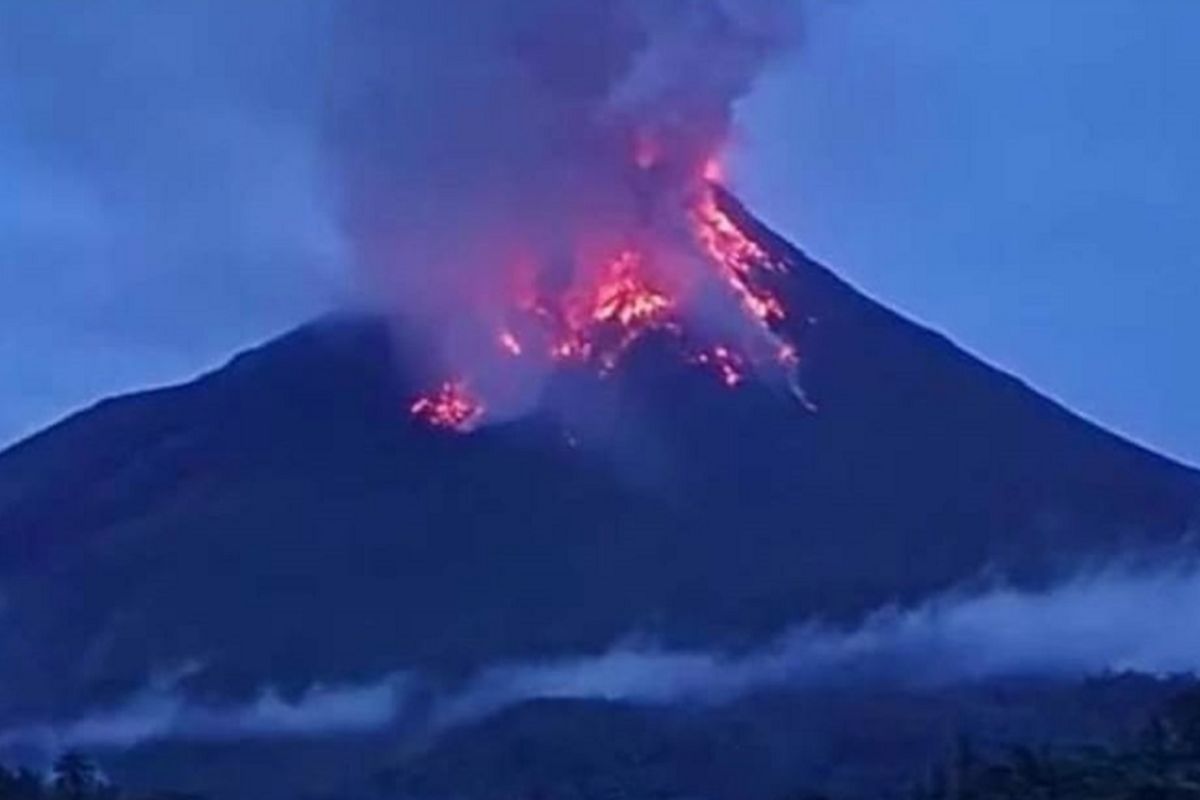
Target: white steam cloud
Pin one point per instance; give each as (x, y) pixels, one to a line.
(161, 712)
(1111, 621)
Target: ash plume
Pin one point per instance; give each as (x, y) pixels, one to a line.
(197, 173)
(478, 140)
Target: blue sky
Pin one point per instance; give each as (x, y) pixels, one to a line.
(1021, 175)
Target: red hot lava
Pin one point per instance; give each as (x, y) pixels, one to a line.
(730, 366)
(606, 310)
(601, 319)
(451, 406)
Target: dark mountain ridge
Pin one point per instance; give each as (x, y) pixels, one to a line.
(283, 520)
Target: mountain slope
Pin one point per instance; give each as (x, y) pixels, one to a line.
(283, 520)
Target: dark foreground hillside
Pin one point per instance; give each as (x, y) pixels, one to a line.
(1146, 755)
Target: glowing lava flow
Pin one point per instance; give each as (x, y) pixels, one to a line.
(730, 366)
(451, 406)
(602, 320)
(738, 256)
(624, 297)
(620, 300)
(511, 344)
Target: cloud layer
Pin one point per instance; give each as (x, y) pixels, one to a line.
(1119, 620)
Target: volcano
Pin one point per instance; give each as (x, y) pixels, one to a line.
(287, 520)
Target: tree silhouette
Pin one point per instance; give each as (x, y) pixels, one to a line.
(1163, 764)
(20, 785)
(75, 778)
(1181, 723)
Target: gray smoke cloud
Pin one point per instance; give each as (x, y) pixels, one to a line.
(478, 139)
(188, 180)
(1117, 620)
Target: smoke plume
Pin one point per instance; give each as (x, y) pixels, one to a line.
(482, 143)
(191, 179)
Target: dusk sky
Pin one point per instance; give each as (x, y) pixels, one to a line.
(1023, 176)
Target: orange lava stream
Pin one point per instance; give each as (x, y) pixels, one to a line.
(738, 256)
(604, 318)
(606, 311)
